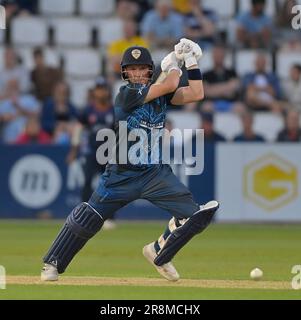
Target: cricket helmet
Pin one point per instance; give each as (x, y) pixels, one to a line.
(136, 55)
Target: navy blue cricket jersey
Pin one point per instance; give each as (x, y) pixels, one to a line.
(150, 117)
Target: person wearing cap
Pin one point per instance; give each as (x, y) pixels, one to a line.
(162, 27)
(138, 170)
(117, 47)
(210, 134)
(254, 28)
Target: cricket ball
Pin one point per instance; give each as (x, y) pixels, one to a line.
(256, 274)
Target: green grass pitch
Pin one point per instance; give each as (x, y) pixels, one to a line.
(214, 265)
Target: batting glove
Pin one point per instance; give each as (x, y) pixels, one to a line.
(170, 62)
(188, 51)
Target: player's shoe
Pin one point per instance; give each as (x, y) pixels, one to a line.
(210, 206)
(49, 273)
(167, 270)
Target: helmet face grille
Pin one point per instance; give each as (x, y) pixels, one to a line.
(136, 56)
(124, 74)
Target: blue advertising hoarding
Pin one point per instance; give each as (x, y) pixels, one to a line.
(37, 182)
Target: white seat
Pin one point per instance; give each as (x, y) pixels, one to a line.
(227, 124)
(84, 63)
(29, 31)
(222, 8)
(158, 55)
(268, 125)
(97, 7)
(206, 63)
(245, 61)
(71, 32)
(2, 58)
(116, 86)
(52, 57)
(110, 30)
(184, 120)
(245, 5)
(79, 91)
(284, 62)
(231, 27)
(57, 7)
(2, 36)
(3, 18)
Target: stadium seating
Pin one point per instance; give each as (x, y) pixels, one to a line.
(82, 63)
(116, 86)
(71, 32)
(184, 120)
(1, 58)
(206, 63)
(109, 30)
(72, 22)
(97, 7)
(284, 61)
(224, 9)
(227, 124)
(158, 55)
(79, 91)
(245, 5)
(2, 37)
(52, 57)
(29, 31)
(268, 125)
(57, 7)
(245, 61)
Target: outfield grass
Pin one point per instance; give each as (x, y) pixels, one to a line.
(223, 252)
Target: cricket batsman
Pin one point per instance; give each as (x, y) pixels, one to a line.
(142, 105)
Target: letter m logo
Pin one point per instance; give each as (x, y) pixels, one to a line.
(2, 18)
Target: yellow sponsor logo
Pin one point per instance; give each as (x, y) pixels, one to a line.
(271, 182)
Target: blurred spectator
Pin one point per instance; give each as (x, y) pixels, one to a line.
(58, 111)
(291, 43)
(248, 134)
(13, 72)
(27, 6)
(292, 131)
(63, 131)
(143, 7)
(162, 27)
(181, 6)
(127, 9)
(288, 39)
(117, 48)
(262, 88)
(97, 116)
(254, 28)
(90, 97)
(284, 14)
(44, 78)
(33, 133)
(168, 142)
(200, 24)
(292, 87)
(11, 9)
(208, 126)
(15, 110)
(221, 85)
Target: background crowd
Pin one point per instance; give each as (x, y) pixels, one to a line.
(60, 66)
